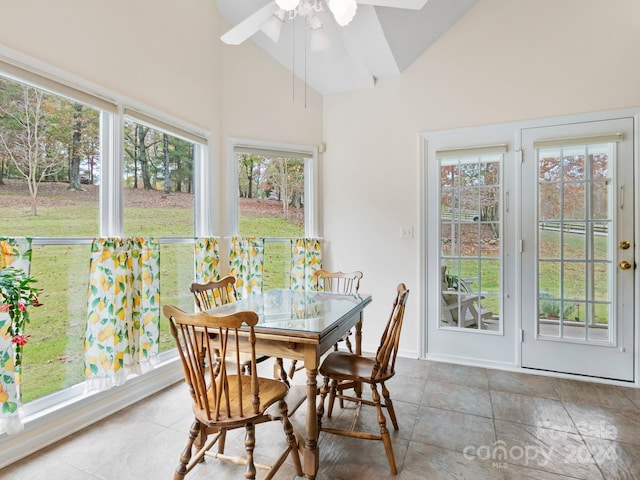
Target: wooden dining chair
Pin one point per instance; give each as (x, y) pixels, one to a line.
(339, 282)
(333, 282)
(345, 371)
(224, 398)
(214, 294)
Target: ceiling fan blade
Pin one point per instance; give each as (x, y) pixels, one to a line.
(408, 4)
(249, 25)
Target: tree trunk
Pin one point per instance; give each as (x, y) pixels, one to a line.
(167, 179)
(135, 158)
(91, 165)
(142, 157)
(3, 166)
(74, 169)
(250, 179)
(283, 188)
(34, 200)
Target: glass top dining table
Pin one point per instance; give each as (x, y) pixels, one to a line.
(302, 325)
(297, 312)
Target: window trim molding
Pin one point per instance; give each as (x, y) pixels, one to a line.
(309, 153)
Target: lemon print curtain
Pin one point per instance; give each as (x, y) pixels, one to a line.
(123, 310)
(207, 260)
(14, 252)
(246, 260)
(306, 258)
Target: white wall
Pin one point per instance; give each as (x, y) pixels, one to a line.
(161, 53)
(505, 60)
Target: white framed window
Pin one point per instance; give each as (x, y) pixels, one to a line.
(471, 237)
(272, 194)
(81, 176)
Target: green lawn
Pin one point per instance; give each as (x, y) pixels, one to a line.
(549, 273)
(54, 356)
(277, 254)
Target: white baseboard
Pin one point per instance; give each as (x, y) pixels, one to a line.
(472, 362)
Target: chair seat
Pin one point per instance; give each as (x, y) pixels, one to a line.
(270, 392)
(343, 365)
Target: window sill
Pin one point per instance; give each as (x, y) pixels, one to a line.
(57, 416)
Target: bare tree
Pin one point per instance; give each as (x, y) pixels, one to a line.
(3, 167)
(167, 171)
(76, 148)
(249, 165)
(25, 142)
(284, 191)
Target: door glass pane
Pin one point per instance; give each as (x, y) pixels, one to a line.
(470, 220)
(549, 206)
(573, 165)
(599, 315)
(573, 201)
(600, 200)
(574, 243)
(549, 277)
(549, 241)
(574, 251)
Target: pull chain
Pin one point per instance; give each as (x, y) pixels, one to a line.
(305, 66)
(293, 61)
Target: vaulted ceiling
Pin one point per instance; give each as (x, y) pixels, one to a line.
(379, 42)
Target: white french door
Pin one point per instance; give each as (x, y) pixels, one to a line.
(578, 248)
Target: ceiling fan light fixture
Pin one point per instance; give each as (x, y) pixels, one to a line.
(273, 25)
(288, 5)
(343, 10)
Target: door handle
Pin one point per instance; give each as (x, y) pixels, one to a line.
(624, 265)
(624, 245)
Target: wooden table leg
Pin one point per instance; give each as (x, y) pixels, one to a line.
(311, 452)
(358, 385)
(359, 336)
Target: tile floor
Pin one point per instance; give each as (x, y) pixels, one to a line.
(456, 422)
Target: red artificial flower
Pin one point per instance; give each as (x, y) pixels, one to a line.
(22, 307)
(4, 307)
(36, 303)
(20, 340)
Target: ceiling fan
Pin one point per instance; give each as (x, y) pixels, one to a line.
(271, 17)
